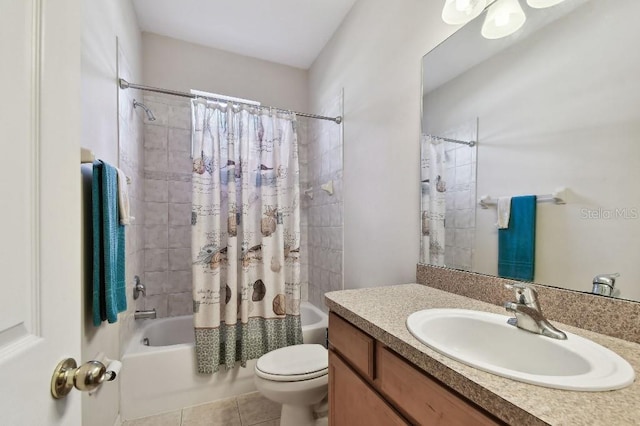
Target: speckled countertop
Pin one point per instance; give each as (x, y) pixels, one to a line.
(382, 311)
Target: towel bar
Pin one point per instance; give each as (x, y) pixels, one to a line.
(558, 197)
(87, 156)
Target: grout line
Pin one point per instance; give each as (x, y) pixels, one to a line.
(238, 410)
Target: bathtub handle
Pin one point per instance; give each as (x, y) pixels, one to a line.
(138, 288)
(87, 377)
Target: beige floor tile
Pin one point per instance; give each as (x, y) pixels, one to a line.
(167, 419)
(322, 421)
(275, 422)
(219, 413)
(256, 409)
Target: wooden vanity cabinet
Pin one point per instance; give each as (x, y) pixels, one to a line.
(353, 402)
(371, 385)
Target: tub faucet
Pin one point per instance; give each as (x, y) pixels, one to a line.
(148, 314)
(528, 313)
(138, 288)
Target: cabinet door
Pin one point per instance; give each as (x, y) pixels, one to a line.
(353, 345)
(352, 402)
(421, 398)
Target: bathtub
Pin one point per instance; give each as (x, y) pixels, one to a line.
(161, 376)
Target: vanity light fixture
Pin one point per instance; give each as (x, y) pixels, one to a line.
(504, 17)
(457, 12)
(541, 4)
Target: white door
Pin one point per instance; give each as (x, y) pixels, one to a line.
(40, 207)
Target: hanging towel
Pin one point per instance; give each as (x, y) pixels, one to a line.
(517, 243)
(504, 212)
(109, 289)
(124, 206)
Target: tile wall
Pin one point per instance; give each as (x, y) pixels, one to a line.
(460, 217)
(324, 163)
(303, 125)
(131, 161)
(167, 206)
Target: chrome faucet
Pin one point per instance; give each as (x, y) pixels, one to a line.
(603, 284)
(149, 314)
(528, 313)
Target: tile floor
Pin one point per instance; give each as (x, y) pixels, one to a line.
(251, 409)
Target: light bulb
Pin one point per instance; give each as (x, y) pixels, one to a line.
(541, 4)
(503, 18)
(463, 6)
(457, 12)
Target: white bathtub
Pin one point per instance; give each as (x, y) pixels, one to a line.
(162, 376)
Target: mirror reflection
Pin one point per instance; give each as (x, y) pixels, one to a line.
(555, 110)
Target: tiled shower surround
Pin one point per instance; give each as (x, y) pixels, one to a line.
(167, 206)
(460, 196)
(131, 161)
(324, 163)
(460, 222)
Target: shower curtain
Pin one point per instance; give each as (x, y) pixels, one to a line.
(434, 187)
(245, 233)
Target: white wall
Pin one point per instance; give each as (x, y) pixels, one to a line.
(178, 65)
(103, 21)
(564, 113)
(376, 57)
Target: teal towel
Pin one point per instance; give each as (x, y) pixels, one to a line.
(109, 285)
(517, 244)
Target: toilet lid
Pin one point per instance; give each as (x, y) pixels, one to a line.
(293, 363)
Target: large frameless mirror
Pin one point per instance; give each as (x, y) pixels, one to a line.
(555, 110)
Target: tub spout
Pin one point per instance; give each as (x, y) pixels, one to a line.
(149, 314)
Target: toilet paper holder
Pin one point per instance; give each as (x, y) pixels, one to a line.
(88, 377)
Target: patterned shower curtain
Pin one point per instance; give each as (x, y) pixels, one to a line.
(434, 187)
(245, 233)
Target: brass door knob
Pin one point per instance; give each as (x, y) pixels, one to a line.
(67, 374)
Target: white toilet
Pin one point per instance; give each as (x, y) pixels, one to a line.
(296, 377)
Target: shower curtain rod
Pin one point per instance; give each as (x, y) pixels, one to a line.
(124, 84)
(468, 143)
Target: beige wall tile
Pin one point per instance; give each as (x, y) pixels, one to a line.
(180, 214)
(156, 213)
(179, 140)
(156, 190)
(155, 137)
(156, 260)
(180, 304)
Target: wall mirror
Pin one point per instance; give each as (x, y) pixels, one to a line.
(554, 105)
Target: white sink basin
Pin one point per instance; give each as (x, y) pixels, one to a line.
(485, 341)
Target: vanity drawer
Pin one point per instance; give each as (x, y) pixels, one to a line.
(355, 346)
(421, 398)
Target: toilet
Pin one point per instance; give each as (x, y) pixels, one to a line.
(296, 377)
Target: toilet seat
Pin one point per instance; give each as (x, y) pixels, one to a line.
(293, 363)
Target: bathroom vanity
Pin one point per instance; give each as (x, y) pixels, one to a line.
(379, 374)
(371, 384)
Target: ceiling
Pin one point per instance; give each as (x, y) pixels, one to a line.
(290, 32)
